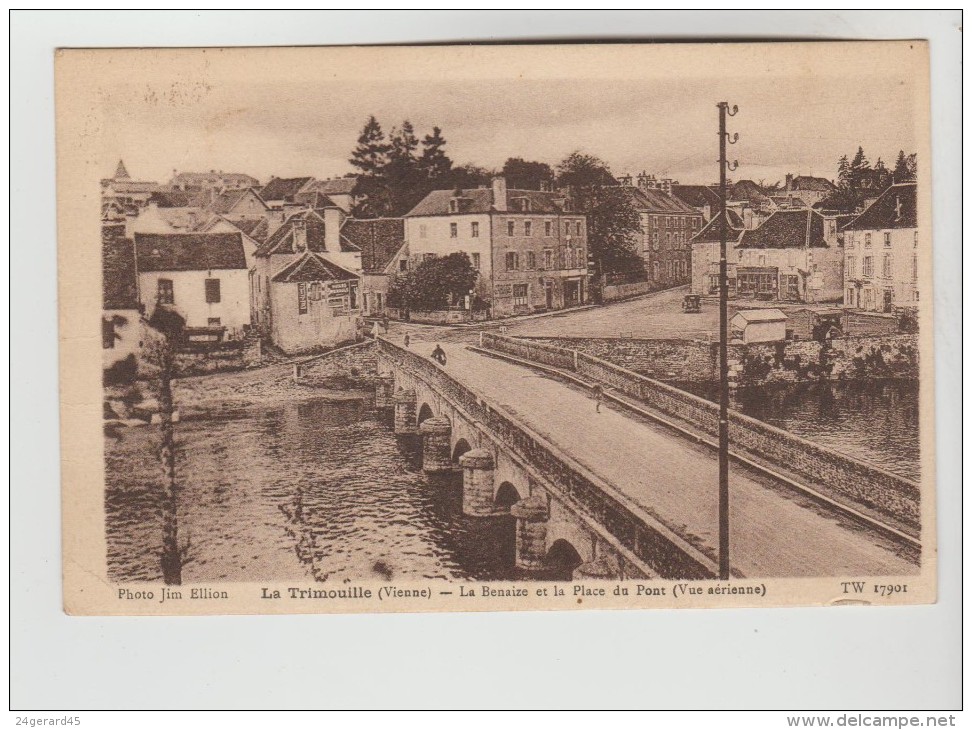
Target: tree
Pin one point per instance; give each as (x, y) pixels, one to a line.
(527, 175)
(468, 176)
(612, 219)
(371, 154)
(434, 162)
(859, 167)
(403, 176)
(843, 172)
(436, 283)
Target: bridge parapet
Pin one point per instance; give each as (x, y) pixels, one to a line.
(653, 547)
(889, 498)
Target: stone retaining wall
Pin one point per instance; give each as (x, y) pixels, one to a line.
(358, 363)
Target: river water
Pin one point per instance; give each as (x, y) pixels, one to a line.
(309, 491)
(872, 421)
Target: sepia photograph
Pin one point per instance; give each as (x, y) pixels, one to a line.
(495, 327)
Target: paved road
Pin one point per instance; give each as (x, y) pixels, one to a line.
(773, 532)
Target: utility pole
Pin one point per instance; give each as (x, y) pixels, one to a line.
(724, 343)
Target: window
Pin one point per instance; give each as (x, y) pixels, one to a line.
(851, 267)
(527, 228)
(886, 266)
(512, 261)
(867, 240)
(547, 228)
(887, 239)
(166, 295)
(868, 266)
(668, 239)
(577, 228)
(566, 228)
(547, 259)
(520, 295)
(569, 258)
(212, 291)
(510, 228)
(474, 230)
(403, 265)
(213, 322)
(762, 260)
(107, 333)
(656, 270)
(475, 261)
(423, 231)
(869, 299)
(654, 240)
(380, 304)
(353, 295)
(453, 206)
(531, 260)
(301, 297)
(831, 229)
(453, 230)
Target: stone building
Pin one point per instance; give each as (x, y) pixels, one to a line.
(529, 246)
(705, 254)
(383, 251)
(881, 253)
(667, 227)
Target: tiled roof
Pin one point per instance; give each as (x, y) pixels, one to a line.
(340, 186)
(255, 228)
(656, 201)
(170, 199)
(119, 288)
(378, 238)
(312, 267)
(787, 229)
(283, 188)
(748, 190)
(315, 199)
(713, 229)
(896, 207)
(480, 200)
(228, 200)
(189, 251)
(816, 184)
(282, 239)
(697, 196)
(194, 179)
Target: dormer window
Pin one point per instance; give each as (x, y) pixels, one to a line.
(568, 206)
(453, 206)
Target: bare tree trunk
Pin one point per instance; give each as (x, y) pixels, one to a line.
(171, 556)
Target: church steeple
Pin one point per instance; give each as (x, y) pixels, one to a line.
(120, 172)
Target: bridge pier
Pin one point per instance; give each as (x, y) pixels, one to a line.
(404, 411)
(384, 391)
(478, 468)
(436, 438)
(531, 516)
(601, 568)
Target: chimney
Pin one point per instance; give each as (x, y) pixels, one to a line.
(789, 182)
(643, 180)
(300, 235)
(333, 218)
(748, 218)
(499, 194)
(191, 220)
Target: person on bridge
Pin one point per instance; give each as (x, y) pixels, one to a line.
(407, 340)
(598, 392)
(438, 354)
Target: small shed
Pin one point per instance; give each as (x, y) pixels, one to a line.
(758, 325)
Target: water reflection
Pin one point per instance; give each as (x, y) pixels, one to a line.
(873, 421)
(306, 491)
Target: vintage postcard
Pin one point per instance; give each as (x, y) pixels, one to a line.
(475, 328)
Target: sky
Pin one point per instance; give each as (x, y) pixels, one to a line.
(306, 124)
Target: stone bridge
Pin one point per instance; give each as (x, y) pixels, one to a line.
(564, 513)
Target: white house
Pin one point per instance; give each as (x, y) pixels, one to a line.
(881, 253)
(202, 277)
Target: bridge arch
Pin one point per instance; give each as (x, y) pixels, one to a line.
(562, 558)
(506, 496)
(461, 447)
(424, 413)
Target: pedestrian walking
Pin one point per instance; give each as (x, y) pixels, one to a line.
(598, 397)
(407, 339)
